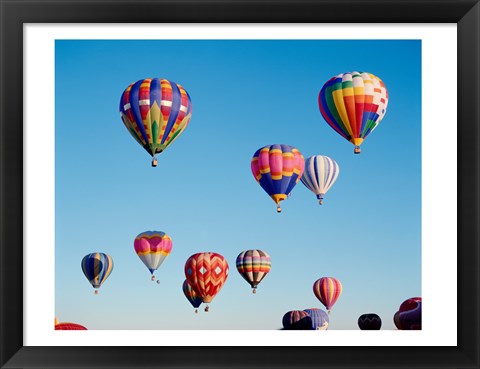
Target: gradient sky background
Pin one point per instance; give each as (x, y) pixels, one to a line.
(245, 94)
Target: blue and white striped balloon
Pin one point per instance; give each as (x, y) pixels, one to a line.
(320, 174)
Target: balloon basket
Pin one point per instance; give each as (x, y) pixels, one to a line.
(96, 292)
(279, 209)
(158, 281)
(207, 308)
(153, 278)
(154, 162)
(254, 291)
(196, 311)
(320, 201)
(357, 150)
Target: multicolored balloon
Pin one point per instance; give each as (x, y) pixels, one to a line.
(409, 314)
(320, 320)
(206, 273)
(191, 296)
(155, 111)
(153, 247)
(253, 266)
(320, 174)
(69, 327)
(353, 104)
(369, 322)
(97, 267)
(327, 290)
(297, 320)
(277, 168)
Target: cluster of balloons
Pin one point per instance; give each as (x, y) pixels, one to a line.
(308, 319)
(353, 104)
(409, 315)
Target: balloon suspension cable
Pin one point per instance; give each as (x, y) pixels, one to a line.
(279, 209)
(96, 292)
(158, 281)
(207, 308)
(357, 150)
(196, 311)
(154, 162)
(153, 278)
(254, 290)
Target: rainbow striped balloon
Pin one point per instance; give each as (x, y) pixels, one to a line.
(353, 104)
(152, 247)
(97, 267)
(155, 111)
(253, 266)
(277, 168)
(327, 290)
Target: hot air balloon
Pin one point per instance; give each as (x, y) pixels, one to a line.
(206, 272)
(191, 296)
(253, 266)
(320, 174)
(327, 290)
(320, 320)
(409, 315)
(369, 322)
(69, 327)
(155, 111)
(97, 267)
(152, 247)
(353, 104)
(297, 320)
(277, 168)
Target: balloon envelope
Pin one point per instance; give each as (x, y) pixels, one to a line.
(253, 266)
(320, 174)
(410, 314)
(206, 272)
(277, 168)
(97, 267)
(297, 320)
(353, 104)
(320, 320)
(327, 290)
(190, 294)
(152, 247)
(155, 111)
(69, 327)
(369, 322)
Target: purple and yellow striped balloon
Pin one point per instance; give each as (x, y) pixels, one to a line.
(327, 290)
(277, 168)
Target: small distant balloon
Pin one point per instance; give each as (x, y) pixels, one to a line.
(327, 290)
(277, 169)
(97, 267)
(191, 296)
(253, 266)
(369, 322)
(153, 247)
(320, 174)
(320, 320)
(297, 320)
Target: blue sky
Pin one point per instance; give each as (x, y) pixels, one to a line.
(245, 94)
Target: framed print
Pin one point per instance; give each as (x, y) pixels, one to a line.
(143, 144)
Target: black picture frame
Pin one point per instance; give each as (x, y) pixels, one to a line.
(15, 13)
